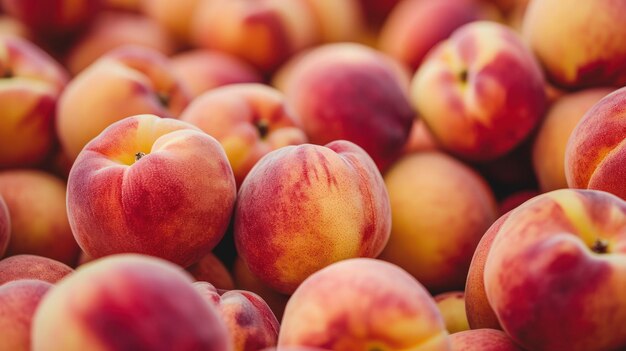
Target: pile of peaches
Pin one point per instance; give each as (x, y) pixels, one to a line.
(313, 175)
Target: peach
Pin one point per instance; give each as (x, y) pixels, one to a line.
(202, 70)
(18, 302)
(173, 16)
(363, 304)
(554, 275)
(477, 308)
(151, 185)
(249, 120)
(515, 199)
(32, 82)
(210, 269)
(595, 151)
(11, 26)
(451, 305)
(481, 92)
(598, 55)
(416, 26)
(352, 92)
(429, 238)
(53, 19)
(420, 139)
(482, 340)
(129, 80)
(338, 21)
(5, 226)
(128, 302)
(264, 33)
(548, 153)
(377, 11)
(304, 207)
(111, 30)
(251, 324)
(245, 280)
(32, 267)
(39, 224)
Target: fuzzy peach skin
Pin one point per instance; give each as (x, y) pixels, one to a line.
(18, 303)
(415, 26)
(304, 207)
(245, 280)
(202, 70)
(31, 84)
(111, 30)
(338, 21)
(173, 16)
(53, 18)
(352, 92)
(251, 324)
(32, 267)
(211, 270)
(555, 272)
(477, 308)
(128, 302)
(151, 185)
(597, 56)
(363, 304)
(11, 26)
(249, 120)
(451, 305)
(39, 224)
(420, 139)
(127, 81)
(596, 152)
(482, 340)
(5, 226)
(440, 208)
(265, 33)
(554, 132)
(481, 92)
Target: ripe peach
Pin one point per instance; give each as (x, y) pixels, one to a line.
(151, 185)
(352, 92)
(251, 324)
(31, 84)
(18, 302)
(32, 267)
(210, 269)
(338, 21)
(304, 207)
(420, 139)
(595, 151)
(249, 120)
(597, 56)
(202, 70)
(111, 30)
(451, 305)
(173, 16)
(554, 275)
(127, 302)
(429, 238)
(481, 92)
(39, 224)
(264, 33)
(363, 304)
(129, 80)
(558, 124)
(482, 340)
(515, 199)
(5, 226)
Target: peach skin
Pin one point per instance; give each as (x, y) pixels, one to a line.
(211, 270)
(595, 154)
(128, 302)
(172, 16)
(480, 92)
(249, 120)
(548, 151)
(451, 305)
(151, 185)
(18, 302)
(39, 224)
(32, 267)
(32, 82)
(429, 238)
(555, 273)
(5, 226)
(579, 47)
(363, 304)
(304, 207)
(482, 340)
(127, 81)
